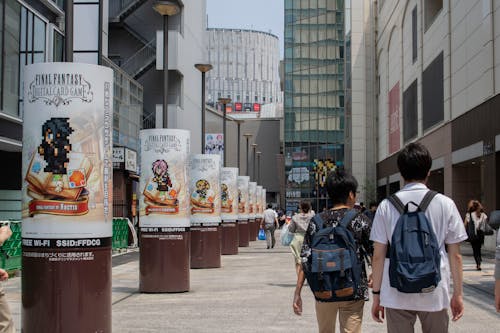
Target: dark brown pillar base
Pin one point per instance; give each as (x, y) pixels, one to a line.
(230, 240)
(206, 246)
(251, 230)
(164, 261)
(66, 290)
(243, 240)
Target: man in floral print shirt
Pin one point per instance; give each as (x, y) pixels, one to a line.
(341, 187)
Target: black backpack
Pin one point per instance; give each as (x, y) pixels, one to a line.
(415, 261)
(335, 272)
(472, 236)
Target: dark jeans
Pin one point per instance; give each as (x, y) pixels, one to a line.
(476, 250)
(270, 228)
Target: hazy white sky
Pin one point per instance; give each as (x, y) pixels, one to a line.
(262, 15)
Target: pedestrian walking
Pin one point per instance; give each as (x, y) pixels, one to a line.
(475, 225)
(343, 288)
(371, 211)
(443, 220)
(298, 227)
(497, 273)
(6, 321)
(269, 224)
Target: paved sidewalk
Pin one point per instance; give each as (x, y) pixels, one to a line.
(252, 292)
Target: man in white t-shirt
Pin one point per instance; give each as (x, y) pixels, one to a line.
(401, 309)
(269, 224)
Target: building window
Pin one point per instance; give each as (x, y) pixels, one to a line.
(10, 54)
(414, 33)
(433, 93)
(256, 99)
(58, 47)
(432, 9)
(410, 112)
(32, 44)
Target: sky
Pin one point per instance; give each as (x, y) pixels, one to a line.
(262, 15)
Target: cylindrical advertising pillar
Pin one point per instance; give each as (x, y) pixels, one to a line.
(252, 188)
(205, 190)
(67, 198)
(243, 209)
(258, 215)
(164, 211)
(229, 210)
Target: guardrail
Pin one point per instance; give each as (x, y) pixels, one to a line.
(11, 249)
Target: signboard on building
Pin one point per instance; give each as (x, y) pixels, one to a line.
(214, 143)
(130, 160)
(67, 154)
(118, 157)
(393, 121)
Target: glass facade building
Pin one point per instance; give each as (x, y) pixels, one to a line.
(314, 98)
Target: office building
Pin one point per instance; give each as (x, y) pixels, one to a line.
(438, 72)
(314, 98)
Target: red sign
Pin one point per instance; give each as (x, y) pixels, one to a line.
(256, 107)
(229, 108)
(238, 107)
(393, 121)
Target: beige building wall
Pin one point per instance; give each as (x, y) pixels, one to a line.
(363, 120)
(465, 27)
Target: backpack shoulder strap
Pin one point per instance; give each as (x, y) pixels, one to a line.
(348, 217)
(319, 221)
(427, 200)
(396, 202)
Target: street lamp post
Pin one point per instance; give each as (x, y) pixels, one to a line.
(224, 101)
(247, 136)
(166, 9)
(258, 167)
(254, 147)
(203, 68)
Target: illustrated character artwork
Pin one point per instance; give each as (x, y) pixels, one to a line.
(160, 189)
(160, 175)
(55, 146)
(51, 179)
(203, 197)
(226, 201)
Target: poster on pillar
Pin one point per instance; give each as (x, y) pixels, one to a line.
(243, 200)
(205, 190)
(258, 200)
(214, 144)
(229, 194)
(164, 201)
(67, 155)
(252, 188)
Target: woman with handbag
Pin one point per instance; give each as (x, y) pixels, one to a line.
(298, 227)
(476, 223)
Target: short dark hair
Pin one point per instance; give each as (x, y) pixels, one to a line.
(305, 206)
(338, 185)
(269, 206)
(414, 161)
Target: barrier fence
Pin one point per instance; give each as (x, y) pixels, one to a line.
(11, 253)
